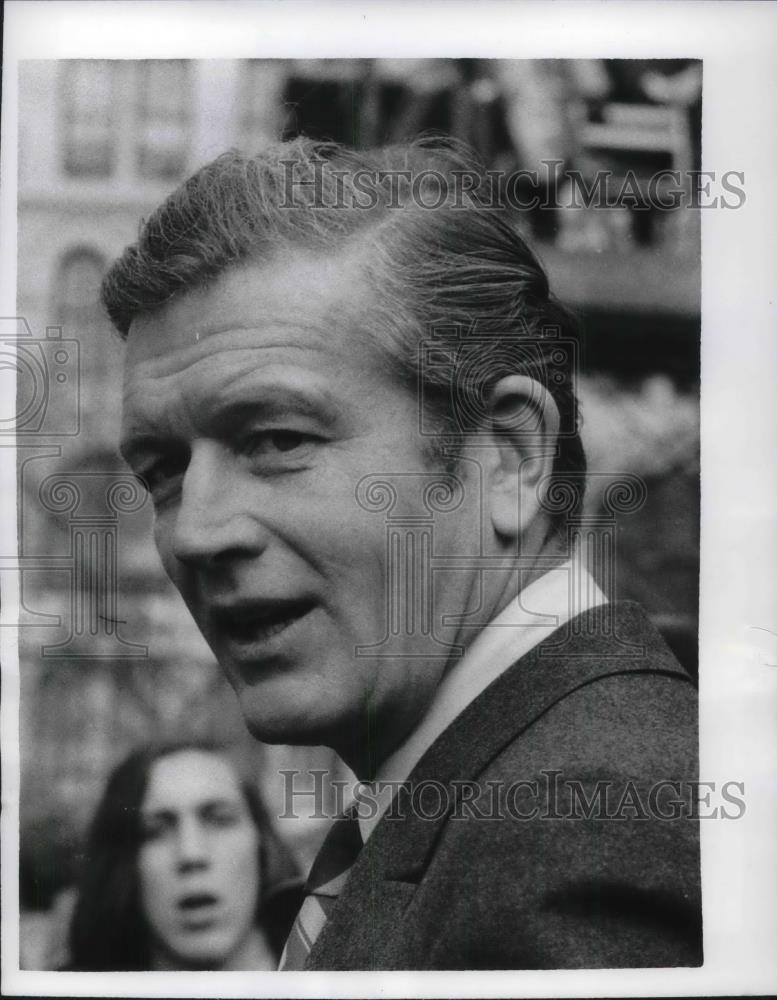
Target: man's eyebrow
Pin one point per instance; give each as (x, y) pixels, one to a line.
(247, 401)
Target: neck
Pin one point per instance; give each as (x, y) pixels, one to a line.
(253, 954)
(504, 589)
(371, 740)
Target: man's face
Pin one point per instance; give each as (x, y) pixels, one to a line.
(252, 409)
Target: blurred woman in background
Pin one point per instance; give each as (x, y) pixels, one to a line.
(182, 869)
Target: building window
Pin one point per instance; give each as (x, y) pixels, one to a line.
(88, 100)
(78, 291)
(78, 311)
(324, 99)
(163, 118)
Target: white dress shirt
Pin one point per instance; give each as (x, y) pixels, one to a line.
(538, 610)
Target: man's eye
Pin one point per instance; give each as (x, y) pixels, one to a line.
(268, 443)
(161, 476)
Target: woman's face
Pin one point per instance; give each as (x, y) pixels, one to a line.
(198, 861)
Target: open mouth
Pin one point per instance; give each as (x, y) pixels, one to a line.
(248, 623)
(197, 901)
(199, 911)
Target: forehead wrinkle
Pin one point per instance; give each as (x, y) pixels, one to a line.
(184, 358)
(162, 368)
(207, 331)
(221, 389)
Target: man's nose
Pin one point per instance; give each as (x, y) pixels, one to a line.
(212, 518)
(192, 845)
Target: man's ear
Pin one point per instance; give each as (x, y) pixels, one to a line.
(525, 424)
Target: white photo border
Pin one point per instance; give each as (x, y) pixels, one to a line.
(738, 676)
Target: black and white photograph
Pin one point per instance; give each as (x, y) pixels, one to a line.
(387, 461)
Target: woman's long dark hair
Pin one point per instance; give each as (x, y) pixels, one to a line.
(109, 931)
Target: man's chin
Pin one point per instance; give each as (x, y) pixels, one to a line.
(286, 722)
(291, 733)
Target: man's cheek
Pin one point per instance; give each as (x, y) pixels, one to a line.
(181, 580)
(161, 536)
(163, 543)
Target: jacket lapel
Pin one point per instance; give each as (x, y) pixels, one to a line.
(612, 639)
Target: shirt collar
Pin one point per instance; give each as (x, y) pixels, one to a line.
(538, 610)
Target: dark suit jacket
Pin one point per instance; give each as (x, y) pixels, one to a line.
(463, 882)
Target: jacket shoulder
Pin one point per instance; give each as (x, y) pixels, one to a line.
(576, 845)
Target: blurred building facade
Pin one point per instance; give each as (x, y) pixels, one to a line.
(101, 143)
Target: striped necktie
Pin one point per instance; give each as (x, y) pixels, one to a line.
(325, 883)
